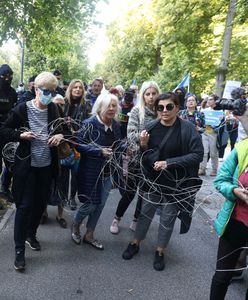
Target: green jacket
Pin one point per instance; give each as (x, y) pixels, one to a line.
(227, 180)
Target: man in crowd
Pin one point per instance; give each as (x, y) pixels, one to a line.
(59, 89)
(95, 90)
(30, 93)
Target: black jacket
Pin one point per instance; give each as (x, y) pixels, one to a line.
(192, 155)
(27, 96)
(8, 98)
(11, 131)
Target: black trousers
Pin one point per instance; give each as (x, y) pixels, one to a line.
(129, 192)
(235, 237)
(30, 208)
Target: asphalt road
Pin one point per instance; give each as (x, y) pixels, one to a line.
(63, 270)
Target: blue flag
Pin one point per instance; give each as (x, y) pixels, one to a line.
(184, 82)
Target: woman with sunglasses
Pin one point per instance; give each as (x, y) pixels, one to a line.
(33, 124)
(171, 181)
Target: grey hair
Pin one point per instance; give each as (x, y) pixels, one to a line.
(102, 103)
(141, 102)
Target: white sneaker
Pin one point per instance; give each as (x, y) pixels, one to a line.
(133, 225)
(114, 228)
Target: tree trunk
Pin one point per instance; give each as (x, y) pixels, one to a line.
(223, 68)
(158, 60)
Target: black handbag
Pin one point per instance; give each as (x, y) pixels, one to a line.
(152, 155)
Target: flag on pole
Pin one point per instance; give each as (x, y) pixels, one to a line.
(184, 82)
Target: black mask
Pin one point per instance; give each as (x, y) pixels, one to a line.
(5, 83)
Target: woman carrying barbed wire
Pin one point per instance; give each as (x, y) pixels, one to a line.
(36, 161)
(172, 151)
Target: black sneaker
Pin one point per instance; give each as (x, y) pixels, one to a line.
(131, 250)
(158, 263)
(19, 263)
(33, 243)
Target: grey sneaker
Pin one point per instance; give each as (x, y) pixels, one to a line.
(75, 234)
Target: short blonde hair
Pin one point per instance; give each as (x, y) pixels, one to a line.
(102, 103)
(46, 80)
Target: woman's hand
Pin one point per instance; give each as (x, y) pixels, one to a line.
(144, 139)
(160, 165)
(28, 135)
(55, 140)
(242, 194)
(107, 153)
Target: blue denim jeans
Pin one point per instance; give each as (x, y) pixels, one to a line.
(93, 211)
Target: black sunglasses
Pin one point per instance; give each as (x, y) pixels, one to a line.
(48, 92)
(169, 107)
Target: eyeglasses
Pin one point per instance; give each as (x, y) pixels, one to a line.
(169, 107)
(48, 92)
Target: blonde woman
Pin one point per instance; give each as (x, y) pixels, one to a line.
(140, 115)
(76, 110)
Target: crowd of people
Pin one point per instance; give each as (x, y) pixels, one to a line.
(73, 143)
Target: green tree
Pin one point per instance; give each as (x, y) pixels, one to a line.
(166, 39)
(53, 32)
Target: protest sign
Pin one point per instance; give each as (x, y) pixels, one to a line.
(230, 85)
(213, 117)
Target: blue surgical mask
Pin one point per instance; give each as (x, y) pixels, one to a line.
(45, 99)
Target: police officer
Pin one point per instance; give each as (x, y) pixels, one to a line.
(8, 98)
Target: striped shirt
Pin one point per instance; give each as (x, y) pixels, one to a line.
(40, 152)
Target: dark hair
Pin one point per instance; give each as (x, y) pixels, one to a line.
(214, 96)
(167, 96)
(32, 78)
(237, 93)
(57, 73)
(66, 82)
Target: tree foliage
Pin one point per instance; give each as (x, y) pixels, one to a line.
(53, 32)
(162, 40)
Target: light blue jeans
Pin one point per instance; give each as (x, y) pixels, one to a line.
(91, 210)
